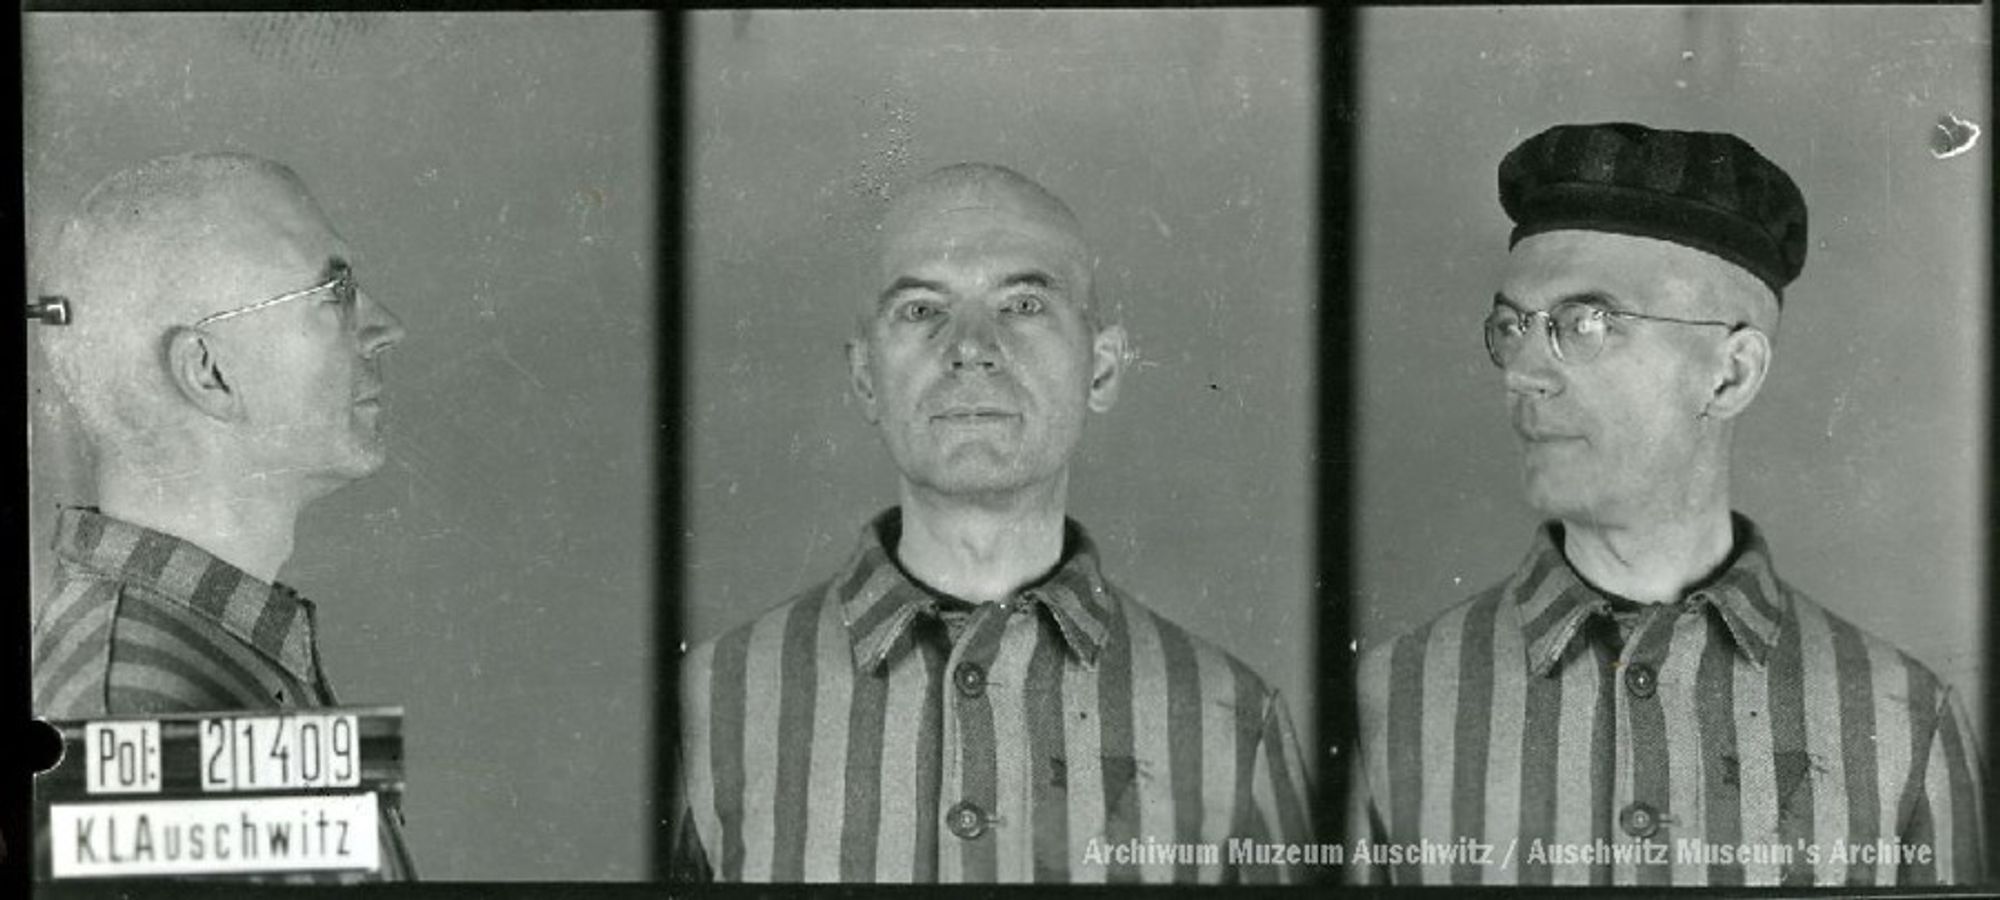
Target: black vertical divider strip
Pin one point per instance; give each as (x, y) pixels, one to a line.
(1990, 747)
(1335, 376)
(17, 788)
(668, 404)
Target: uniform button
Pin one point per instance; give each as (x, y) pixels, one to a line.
(970, 678)
(1641, 680)
(1639, 820)
(1027, 602)
(966, 820)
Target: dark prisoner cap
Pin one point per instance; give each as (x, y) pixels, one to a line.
(1705, 190)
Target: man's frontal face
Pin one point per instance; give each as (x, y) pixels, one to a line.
(1608, 438)
(309, 369)
(978, 348)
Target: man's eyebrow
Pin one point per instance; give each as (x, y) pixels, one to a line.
(909, 283)
(1030, 278)
(1593, 298)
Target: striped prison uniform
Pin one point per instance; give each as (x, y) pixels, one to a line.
(1064, 734)
(1741, 736)
(143, 622)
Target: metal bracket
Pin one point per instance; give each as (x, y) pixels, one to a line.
(50, 310)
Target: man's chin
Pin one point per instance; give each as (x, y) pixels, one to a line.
(979, 470)
(1551, 495)
(362, 460)
(975, 484)
(369, 466)
(979, 478)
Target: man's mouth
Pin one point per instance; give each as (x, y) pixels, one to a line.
(1537, 436)
(1533, 431)
(974, 414)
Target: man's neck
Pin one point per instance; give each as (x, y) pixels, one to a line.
(234, 522)
(980, 552)
(1653, 562)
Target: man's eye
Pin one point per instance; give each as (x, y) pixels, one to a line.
(1025, 304)
(1506, 324)
(1578, 318)
(1591, 322)
(917, 311)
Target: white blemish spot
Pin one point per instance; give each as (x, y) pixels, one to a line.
(1955, 136)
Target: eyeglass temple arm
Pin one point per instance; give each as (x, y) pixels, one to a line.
(1732, 326)
(281, 298)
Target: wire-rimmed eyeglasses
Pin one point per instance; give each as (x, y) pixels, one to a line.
(1575, 328)
(340, 281)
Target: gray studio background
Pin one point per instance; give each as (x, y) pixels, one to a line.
(1185, 140)
(1862, 459)
(495, 174)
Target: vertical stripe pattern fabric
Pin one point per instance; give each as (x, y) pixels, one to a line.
(1741, 736)
(143, 622)
(1067, 734)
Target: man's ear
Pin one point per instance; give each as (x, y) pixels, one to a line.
(1746, 359)
(1107, 365)
(194, 365)
(860, 379)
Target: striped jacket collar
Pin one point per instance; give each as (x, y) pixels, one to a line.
(269, 617)
(1554, 602)
(881, 603)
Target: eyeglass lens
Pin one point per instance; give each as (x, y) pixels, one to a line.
(1575, 331)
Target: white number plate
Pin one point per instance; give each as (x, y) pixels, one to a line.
(122, 757)
(273, 753)
(322, 832)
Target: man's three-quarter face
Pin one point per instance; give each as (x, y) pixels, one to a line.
(309, 369)
(978, 347)
(1604, 434)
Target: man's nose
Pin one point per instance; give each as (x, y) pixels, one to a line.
(974, 342)
(380, 327)
(1533, 369)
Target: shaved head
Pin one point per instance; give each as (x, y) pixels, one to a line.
(980, 185)
(152, 248)
(1738, 295)
(946, 204)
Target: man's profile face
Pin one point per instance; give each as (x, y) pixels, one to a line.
(1610, 439)
(979, 358)
(309, 369)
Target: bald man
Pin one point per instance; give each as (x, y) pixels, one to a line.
(969, 699)
(225, 366)
(1643, 700)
